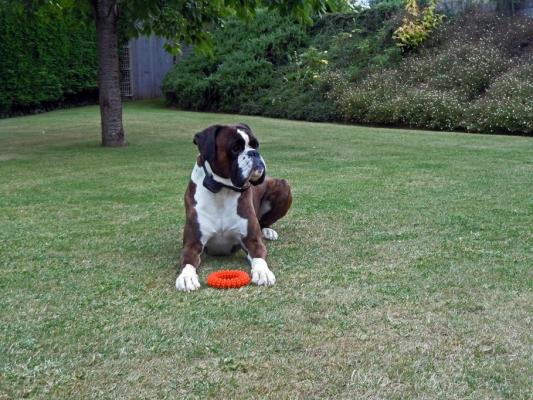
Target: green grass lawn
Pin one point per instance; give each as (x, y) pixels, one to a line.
(404, 268)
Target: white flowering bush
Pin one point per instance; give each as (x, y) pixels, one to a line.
(480, 79)
(466, 69)
(507, 105)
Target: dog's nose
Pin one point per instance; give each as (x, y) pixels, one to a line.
(253, 153)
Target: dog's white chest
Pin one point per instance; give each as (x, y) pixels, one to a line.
(221, 227)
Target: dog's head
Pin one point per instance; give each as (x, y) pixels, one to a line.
(232, 152)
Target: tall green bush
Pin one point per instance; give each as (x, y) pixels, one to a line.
(47, 56)
(272, 66)
(246, 60)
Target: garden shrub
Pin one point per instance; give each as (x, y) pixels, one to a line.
(479, 84)
(273, 66)
(237, 79)
(47, 56)
(507, 105)
(464, 68)
(245, 60)
(417, 24)
(427, 108)
(473, 73)
(293, 102)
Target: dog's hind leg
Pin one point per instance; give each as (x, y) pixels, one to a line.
(274, 205)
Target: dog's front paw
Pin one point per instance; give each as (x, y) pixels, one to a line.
(261, 274)
(188, 279)
(269, 234)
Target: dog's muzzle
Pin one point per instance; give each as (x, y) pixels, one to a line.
(258, 166)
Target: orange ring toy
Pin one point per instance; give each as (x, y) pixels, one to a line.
(228, 279)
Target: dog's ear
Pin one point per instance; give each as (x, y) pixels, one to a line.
(206, 142)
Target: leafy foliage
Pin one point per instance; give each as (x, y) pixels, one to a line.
(470, 74)
(47, 47)
(244, 61)
(417, 24)
(47, 56)
(475, 75)
(273, 66)
(507, 105)
(186, 21)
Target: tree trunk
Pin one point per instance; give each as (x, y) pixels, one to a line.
(106, 15)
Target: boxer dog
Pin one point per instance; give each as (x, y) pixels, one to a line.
(230, 204)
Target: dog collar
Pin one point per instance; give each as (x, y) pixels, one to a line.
(215, 186)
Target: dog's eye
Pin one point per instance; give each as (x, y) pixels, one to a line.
(236, 148)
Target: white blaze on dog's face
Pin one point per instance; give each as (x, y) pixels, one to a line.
(250, 162)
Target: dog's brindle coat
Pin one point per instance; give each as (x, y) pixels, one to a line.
(230, 203)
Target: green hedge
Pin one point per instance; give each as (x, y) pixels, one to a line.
(47, 57)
